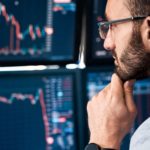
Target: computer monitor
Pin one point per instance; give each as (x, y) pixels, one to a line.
(39, 110)
(95, 52)
(39, 31)
(96, 79)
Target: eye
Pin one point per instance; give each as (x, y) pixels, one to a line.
(105, 27)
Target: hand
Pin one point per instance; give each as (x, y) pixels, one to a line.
(111, 113)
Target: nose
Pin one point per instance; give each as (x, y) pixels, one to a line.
(109, 42)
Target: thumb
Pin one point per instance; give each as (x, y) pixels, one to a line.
(128, 91)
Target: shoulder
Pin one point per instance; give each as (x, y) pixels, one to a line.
(141, 138)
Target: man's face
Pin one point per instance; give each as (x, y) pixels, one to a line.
(125, 42)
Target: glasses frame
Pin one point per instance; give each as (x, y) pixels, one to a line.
(107, 24)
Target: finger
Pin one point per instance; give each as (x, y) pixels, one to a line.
(102, 94)
(107, 88)
(128, 91)
(117, 87)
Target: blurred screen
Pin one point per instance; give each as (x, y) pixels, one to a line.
(35, 30)
(95, 48)
(37, 111)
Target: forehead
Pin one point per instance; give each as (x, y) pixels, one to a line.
(117, 9)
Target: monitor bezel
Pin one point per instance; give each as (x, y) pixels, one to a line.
(76, 50)
(77, 98)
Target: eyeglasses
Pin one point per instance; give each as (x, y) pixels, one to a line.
(104, 26)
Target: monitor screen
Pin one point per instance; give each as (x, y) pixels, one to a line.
(37, 111)
(95, 52)
(39, 31)
(97, 79)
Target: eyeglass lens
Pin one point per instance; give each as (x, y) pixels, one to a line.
(103, 30)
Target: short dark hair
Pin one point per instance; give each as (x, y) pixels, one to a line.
(139, 7)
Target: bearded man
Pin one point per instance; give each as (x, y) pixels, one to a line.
(111, 113)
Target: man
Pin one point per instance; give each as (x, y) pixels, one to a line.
(111, 112)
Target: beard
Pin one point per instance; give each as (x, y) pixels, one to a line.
(134, 61)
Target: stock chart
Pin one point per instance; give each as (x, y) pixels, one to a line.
(33, 30)
(36, 112)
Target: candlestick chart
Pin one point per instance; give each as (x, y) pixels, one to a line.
(32, 30)
(36, 112)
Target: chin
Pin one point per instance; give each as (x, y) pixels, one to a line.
(134, 74)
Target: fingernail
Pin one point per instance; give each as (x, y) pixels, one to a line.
(131, 83)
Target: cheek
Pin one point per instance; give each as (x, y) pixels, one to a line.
(122, 39)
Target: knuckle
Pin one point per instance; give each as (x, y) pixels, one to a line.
(102, 94)
(88, 106)
(129, 91)
(133, 112)
(94, 97)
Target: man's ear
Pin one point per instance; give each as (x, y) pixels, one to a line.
(148, 23)
(145, 32)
